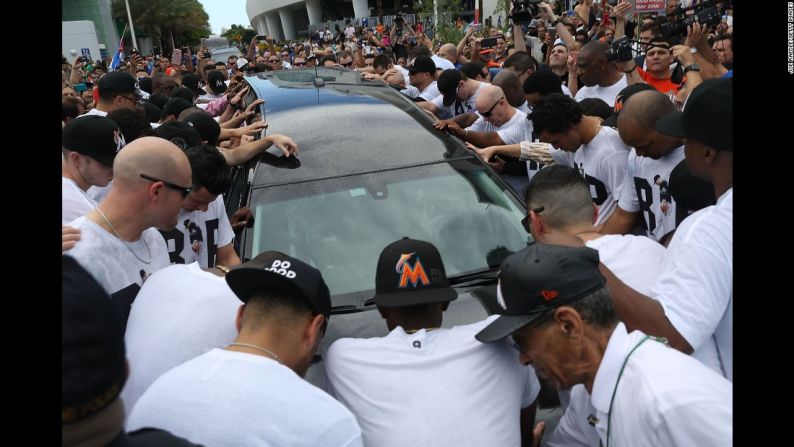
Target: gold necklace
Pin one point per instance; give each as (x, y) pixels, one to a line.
(125, 242)
(265, 350)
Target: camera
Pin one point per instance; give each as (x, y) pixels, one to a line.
(675, 25)
(524, 11)
(620, 51)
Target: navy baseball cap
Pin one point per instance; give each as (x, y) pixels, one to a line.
(410, 272)
(97, 136)
(276, 271)
(707, 115)
(447, 84)
(539, 278)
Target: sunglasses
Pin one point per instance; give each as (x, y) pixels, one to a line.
(299, 64)
(185, 190)
(273, 60)
(347, 64)
(488, 113)
(525, 220)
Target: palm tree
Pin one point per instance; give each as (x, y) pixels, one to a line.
(164, 18)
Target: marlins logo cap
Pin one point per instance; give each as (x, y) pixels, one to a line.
(410, 272)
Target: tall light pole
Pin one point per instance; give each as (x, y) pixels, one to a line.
(132, 28)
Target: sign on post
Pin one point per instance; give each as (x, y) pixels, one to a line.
(87, 53)
(648, 5)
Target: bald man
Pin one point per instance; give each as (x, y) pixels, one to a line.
(119, 243)
(448, 52)
(509, 81)
(649, 165)
(601, 78)
(498, 123)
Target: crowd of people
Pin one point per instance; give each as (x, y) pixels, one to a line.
(615, 128)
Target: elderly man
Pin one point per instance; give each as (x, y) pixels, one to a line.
(252, 392)
(554, 303)
(119, 244)
(416, 372)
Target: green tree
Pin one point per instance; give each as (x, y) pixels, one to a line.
(182, 22)
(239, 35)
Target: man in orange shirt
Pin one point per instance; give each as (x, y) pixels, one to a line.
(658, 58)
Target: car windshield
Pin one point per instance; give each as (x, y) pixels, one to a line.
(340, 225)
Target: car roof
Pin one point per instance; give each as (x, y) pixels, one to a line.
(367, 125)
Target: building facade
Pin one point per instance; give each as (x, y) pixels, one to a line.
(283, 19)
(98, 12)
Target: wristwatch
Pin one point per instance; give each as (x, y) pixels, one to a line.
(693, 50)
(691, 67)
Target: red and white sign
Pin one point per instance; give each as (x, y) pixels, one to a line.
(649, 5)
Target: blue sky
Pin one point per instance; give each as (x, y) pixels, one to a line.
(224, 13)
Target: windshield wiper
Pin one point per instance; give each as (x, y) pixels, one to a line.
(482, 277)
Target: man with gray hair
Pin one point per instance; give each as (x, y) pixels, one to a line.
(554, 303)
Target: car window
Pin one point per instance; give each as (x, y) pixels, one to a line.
(340, 225)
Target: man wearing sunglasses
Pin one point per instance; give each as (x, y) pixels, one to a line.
(454, 379)
(119, 243)
(117, 90)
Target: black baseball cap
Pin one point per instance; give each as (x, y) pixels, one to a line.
(97, 136)
(707, 116)
(411, 272)
(175, 106)
(276, 271)
(216, 80)
(191, 81)
(183, 93)
(624, 95)
(93, 366)
(422, 64)
(117, 82)
(538, 278)
(447, 84)
(688, 191)
(205, 125)
(179, 133)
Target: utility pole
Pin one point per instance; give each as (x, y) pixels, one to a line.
(132, 28)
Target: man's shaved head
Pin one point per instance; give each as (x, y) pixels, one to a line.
(448, 51)
(152, 156)
(594, 48)
(636, 124)
(511, 85)
(645, 108)
(489, 94)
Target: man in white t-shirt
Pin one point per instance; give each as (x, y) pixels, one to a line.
(119, 243)
(581, 142)
(554, 304)
(203, 232)
(646, 191)
(600, 77)
(458, 95)
(117, 90)
(692, 302)
(423, 384)
(252, 392)
(181, 312)
(422, 75)
(89, 146)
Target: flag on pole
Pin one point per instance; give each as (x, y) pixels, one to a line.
(119, 56)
